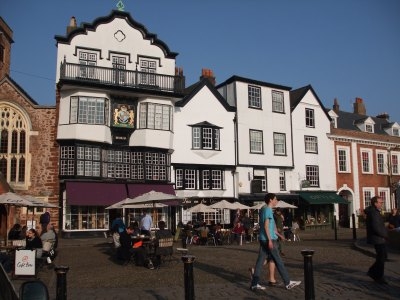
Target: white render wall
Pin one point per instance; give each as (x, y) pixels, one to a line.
(103, 38)
(325, 156)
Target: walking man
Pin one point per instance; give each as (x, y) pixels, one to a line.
(377, 235)
(269, 246)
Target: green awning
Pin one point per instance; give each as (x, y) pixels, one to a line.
(322, 198)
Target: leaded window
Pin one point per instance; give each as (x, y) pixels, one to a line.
(155, 116)
(256, 141)
(277, 102)
(254, 94)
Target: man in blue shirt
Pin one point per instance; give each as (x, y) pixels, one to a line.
(269, 246)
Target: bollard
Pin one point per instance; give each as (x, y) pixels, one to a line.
(335, 227)
(184, 238)
(308, 275)
(353, 220)
(188, 275)
(61, 282)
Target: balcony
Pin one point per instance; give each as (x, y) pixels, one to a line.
(121, 78)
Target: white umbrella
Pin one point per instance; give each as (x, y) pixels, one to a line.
(119, 204)
(36, 202)
(201, 208)
(151, 197)
(238, 205)
(283, 204)
(258, 206)
(145, 205)
(223, 204)
(12, 199)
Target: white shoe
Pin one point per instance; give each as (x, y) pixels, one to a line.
(257, 287)
(292, 284)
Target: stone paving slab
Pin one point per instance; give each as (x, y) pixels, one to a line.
(339, 269)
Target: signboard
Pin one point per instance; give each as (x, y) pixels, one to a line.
(123, 116)
(25, 262)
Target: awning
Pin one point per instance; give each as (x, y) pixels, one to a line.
(321, 197)
(95, 193)
(135, 190)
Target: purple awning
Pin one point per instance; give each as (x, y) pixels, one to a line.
(135, 190)
(95, 193)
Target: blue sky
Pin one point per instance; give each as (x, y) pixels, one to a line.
(343, 48)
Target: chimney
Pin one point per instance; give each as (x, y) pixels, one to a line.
(384, 116)
(178, 71)
(207, 73)
(335, 105)
(359, 107)
(72, 25)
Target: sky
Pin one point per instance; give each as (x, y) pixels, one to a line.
(343, 48)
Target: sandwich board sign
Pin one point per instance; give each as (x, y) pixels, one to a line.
(25, 262)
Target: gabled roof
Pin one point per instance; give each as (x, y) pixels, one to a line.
(255, 82)
(195, 88)
(348, 121)
(18, 87)
(205, 124)
(108, 19)
(298, 94)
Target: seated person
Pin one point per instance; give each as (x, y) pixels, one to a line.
(203, 233)
(15, 232)
(136, 229)
(33, 242)
(237, 232)
(162, 233)
(128, 249)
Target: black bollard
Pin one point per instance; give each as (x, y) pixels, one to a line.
(188, 275)
(308, 275)
(184, 241)
(335, 227)
(353, 220)
(61, 282)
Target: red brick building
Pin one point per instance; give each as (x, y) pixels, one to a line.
(367, 154)
(28, 148)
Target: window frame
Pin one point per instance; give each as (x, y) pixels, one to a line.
(310, 117)
(89, 110)
(206, 137)
(366, 162)
(312, 175)
(381, 162)
(254, 96)
(278, 103)
(347, 165)
(155, 116)
(279, 137)
(309, 141)
(254, 143)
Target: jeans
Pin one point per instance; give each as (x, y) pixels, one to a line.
(264, 253)
(377, 269)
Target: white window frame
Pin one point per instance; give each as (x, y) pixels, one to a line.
(394, 163)
(282, 180)
(256, 141)
(366, 163)
(346, 151)
(368, 193)
(311, 144)
(254, 96)
(312, 175)
(310, 117)
(384, 193)
(278, 102)
(279, 143)
(381, 162)
(369, 128)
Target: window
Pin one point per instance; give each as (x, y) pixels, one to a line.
(201, 179)
(367, 192)
(262, 179)
(254, 96)
(381, 163)
(310, 121)
(256, 141)
(282, 180)
(366, 161)
(88, 61)
(90, 161)
(119, 64)
(13, 145)
(395, 164)
(155, 116)
(396, 132)
(1, 54)
(279, 143)
(148, 69)
(277, 102)
(369, 128)
(89, 110)
(205, 137)
(86, 217)
(311, 144)
(343, 160)
(384, 194)
(312, 175)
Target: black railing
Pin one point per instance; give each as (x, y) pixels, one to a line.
(120, 77)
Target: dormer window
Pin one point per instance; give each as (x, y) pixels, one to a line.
(205, 136)
(396, 132)
(369, 128)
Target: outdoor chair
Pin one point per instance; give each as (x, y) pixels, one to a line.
(164, 250)
(211, 239)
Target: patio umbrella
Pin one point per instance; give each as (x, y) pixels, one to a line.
(238, 205)
(12, 199)
(258, 206)
(123, 204)
(201, 208)
(36, 202)
(223, 204)
(283, 204)
(151, 197)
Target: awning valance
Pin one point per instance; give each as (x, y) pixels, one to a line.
(321, 197)
(95, 193)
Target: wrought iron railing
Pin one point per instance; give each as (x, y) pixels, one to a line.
(121, 77)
